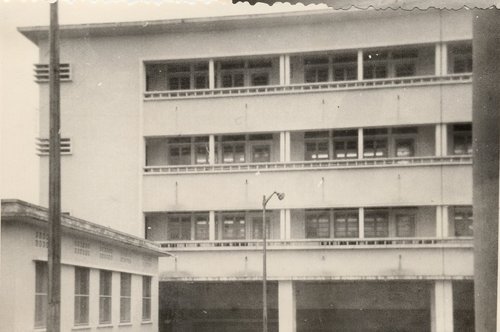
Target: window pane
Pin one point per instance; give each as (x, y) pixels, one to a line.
(260, 79)
(405, 69)
(238, 80)
(404, 148)
(261, 154)
(41, 285)
(405, 225)
(463, 221)
(317, 225)
(201, 229)
(104, 310)
(345, 223)
(376, 224)
(201, 82)
(124, 310)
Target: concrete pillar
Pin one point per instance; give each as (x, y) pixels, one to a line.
(288, 224)
(442, 222)
(287, 306)
(361, 221)
(211, 226)
(282, 146)
(360, 65)
(444, 59)
(360, 143)
(211, 74)
(282, 70)
(441, 59)
(211, 149)
(282, 224)
(441, 138)
(287, 146)
(485, 171)
(287, 69)
(442, 306)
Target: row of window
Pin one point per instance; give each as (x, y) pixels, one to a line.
(236, 225)
(82, 296)
(320, 145)
(317, 68)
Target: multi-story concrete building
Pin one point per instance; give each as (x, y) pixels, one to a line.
(174, 130)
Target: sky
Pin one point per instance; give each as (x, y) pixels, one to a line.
(19, 172)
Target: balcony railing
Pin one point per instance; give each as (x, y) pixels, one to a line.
(311, 165)
(309, 87)
(354, 243)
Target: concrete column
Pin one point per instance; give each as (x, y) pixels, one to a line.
(282, 146)
(211, 226)
(211, 149)
(360, 65)
(444, 139)
(441, 138)
(282, 224)
(282, 70)
(442, 306)
(287, 146)
(437, 59)
(287, 306)
(361, 221)
(360, 143)
(211, 74)
(437, 139)
(288, 224)
(444, 59)
(442, 221)
(287, 69)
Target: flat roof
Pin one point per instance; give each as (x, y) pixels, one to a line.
(38, 33)
(18, 210)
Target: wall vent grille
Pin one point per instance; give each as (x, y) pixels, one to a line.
(42, 72)
(42, 146)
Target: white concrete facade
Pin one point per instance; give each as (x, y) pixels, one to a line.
(361, 118)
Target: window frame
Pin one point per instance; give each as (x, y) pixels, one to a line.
(41, 294)
(465, 135)
(467, 220)
(238, 228)
(377, 224)
(179, 221)
(338, 224)
(146, 298)
(82, 274)
(412, 223)
(125, 297)
(313, 220)
(105, 297)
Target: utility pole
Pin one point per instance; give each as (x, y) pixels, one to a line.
(54, 247)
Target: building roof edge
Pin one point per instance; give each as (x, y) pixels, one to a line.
(16, 209)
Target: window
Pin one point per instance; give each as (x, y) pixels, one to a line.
(179, 227)
(146, 298)
(462, 139)
(462, 217)
(405, 225)
(346, 223)
(375, 143)
(345, 67)
(317, 145)
(261, 153)
(405, 147)
(376, 223)
(81, 296)
(257, 228)
(41, 285)
(201, 228)
(405, 62)
(125, 297)
(233, 227)
(461, 58)
(178, 76)
(345, 144)
(105, 297)
(317, 224)
(179, 151)
(259, 79)
(316, 69)
(233, 149)
(375, 64)
(201, 150)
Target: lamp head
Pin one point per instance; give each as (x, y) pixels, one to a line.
(280, 196)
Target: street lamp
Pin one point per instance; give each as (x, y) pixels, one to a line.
(264, 257)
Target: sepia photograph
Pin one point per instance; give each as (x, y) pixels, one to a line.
(249, 166)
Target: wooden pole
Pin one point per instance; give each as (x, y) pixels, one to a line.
(264, 265)
(54, 247)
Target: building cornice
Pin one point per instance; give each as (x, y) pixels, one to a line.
(39, 33)
(21, 211)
